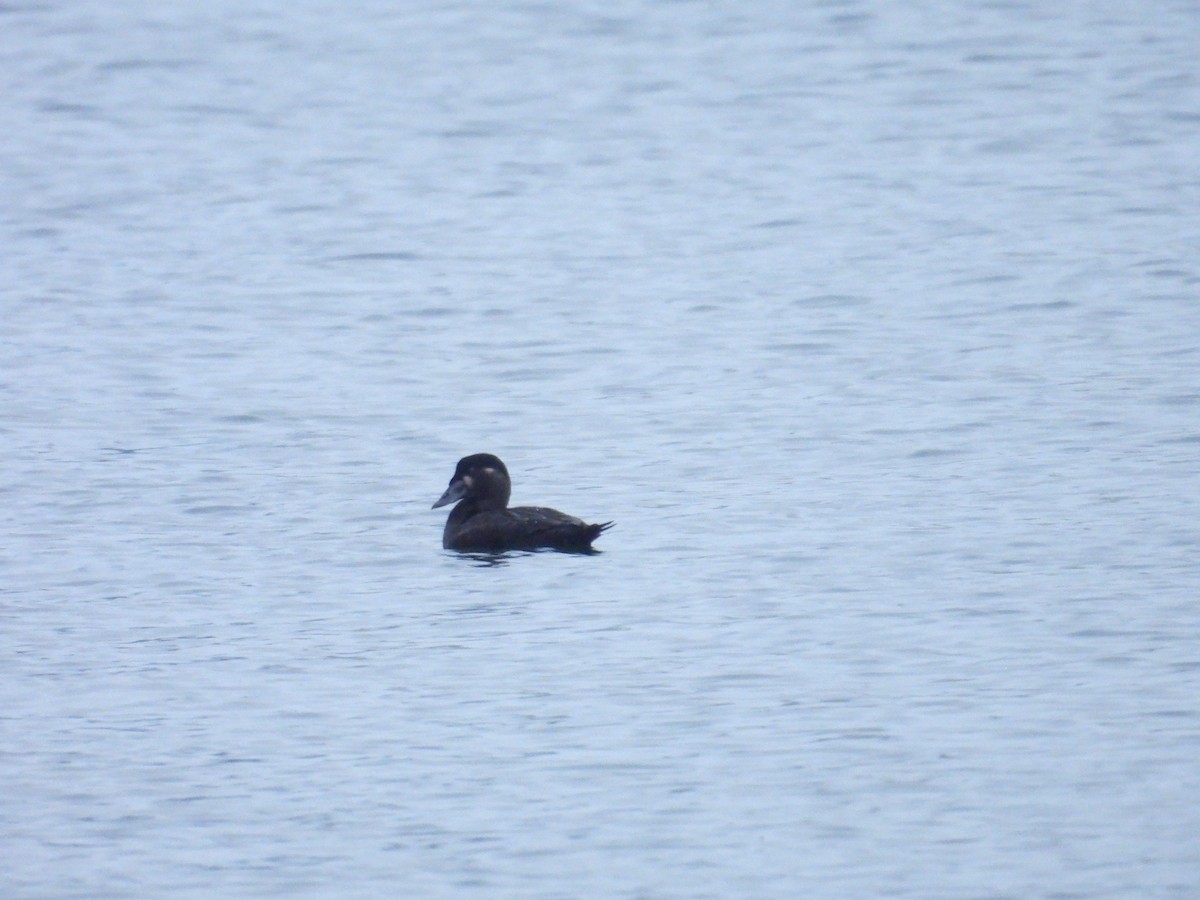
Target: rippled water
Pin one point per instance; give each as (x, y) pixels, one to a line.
(873, 327)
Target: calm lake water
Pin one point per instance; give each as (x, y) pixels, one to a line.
(875, 327)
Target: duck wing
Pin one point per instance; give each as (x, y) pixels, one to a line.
(525, 528)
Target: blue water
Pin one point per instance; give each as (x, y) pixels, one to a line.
(874, 327)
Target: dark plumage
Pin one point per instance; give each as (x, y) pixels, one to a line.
(483, 521)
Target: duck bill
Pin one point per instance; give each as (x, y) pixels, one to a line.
(456, 491)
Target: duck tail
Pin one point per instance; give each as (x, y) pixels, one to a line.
(594, 531)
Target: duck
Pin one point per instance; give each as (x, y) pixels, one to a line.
(483, 522)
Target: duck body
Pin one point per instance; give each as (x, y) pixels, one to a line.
(483, 522)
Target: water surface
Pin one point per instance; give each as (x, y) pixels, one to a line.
(873, 328)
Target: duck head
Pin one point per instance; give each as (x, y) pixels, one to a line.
(481, 478)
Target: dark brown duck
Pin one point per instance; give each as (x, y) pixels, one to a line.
(484, 522)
